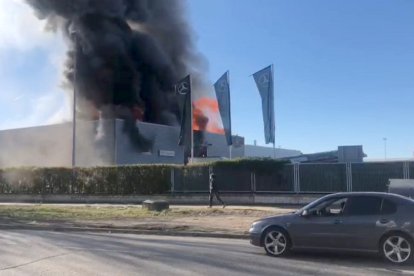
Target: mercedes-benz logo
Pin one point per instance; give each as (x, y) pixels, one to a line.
(264, 79)
(182, 88)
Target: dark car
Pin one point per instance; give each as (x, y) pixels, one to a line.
(364, 222)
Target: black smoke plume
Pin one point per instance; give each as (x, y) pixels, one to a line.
(127, 54)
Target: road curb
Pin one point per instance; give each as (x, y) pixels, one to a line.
(126, 231)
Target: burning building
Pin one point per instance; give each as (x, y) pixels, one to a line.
(124, 58)
(123, 61)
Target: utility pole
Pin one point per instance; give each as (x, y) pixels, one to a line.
(75, 92)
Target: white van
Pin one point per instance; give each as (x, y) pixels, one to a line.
(404, 187)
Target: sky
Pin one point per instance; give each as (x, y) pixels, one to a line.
(343, 69)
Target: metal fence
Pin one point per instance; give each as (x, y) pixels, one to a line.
(296, 178)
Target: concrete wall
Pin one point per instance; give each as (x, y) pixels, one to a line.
(219, 147)
(268, 152)
(51, 146)
(97, 143)
(36, 146)
(166, 149)
(193, 199)
(105, 143)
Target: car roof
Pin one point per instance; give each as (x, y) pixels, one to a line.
(397, 197)
(361, 193)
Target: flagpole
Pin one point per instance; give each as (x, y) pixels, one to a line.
(273, 104)
(231, 139)
(191, 121)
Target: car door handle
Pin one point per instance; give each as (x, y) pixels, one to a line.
(384, 221)
(338, 221)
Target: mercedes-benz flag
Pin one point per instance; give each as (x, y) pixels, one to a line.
(265, 84)
(222, 88)
(183, 91)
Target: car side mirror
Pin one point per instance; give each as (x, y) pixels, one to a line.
(305, 213)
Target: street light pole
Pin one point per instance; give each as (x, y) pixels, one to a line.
(74, 103)
(385, 147)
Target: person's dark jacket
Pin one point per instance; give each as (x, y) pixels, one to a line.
(213, 185)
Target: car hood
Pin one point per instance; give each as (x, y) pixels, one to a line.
(281, 217)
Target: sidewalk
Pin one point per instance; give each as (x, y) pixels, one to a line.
(231, 222)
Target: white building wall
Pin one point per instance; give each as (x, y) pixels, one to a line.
(51, 146)
(36, 146)
(267, 152)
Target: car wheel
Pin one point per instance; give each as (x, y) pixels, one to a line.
(276, 242)
(397, 248)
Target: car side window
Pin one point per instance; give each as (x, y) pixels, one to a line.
(336, 208)
(388, 207)
(363, 206)
(332, 207)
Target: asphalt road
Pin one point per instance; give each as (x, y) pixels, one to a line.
(54, 253)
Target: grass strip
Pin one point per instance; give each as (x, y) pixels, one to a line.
(72, 213)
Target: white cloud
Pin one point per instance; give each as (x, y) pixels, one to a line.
(20, 29)
(22, 32)
(62, 114)
(18, 98)
(50, 108)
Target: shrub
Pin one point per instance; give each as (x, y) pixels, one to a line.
(125, 180)
(145, 180)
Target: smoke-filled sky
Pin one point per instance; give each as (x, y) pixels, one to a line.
(343, 69)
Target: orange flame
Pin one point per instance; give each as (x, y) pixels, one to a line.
(206, 116)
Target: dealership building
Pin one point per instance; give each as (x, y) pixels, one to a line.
(51, 145)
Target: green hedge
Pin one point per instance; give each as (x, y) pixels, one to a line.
(145, 180)
(123, 180)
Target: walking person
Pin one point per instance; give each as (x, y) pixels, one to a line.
(214, 190)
